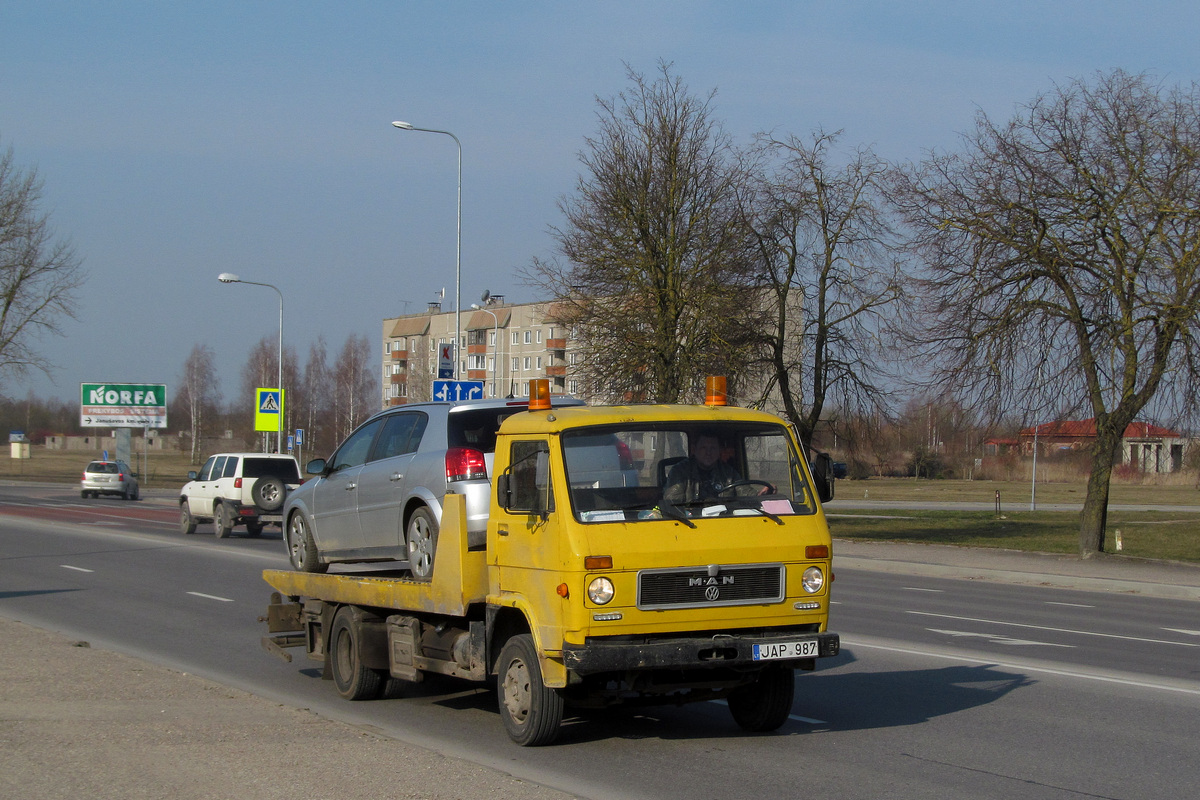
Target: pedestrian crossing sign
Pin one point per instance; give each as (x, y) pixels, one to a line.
(268, 408)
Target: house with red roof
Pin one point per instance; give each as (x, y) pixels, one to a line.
(1149, 448)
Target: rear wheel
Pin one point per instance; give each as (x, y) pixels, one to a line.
(532, 712)
(187, 523)
(222, 521)
(765, 704)
(421, 538)
(254, 528)
(352, 679)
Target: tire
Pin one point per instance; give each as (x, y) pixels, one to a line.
(532, 712)
(420, 538)
(352, 680)
(187, 523)
(269, 493)
(83, 495)
(302, 550)
(765, 704)
(222, 521)
(254, 528)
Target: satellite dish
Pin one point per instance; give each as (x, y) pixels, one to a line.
(486, 296)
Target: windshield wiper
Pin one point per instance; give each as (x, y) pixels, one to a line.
(672, 511)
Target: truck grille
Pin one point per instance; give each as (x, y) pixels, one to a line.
(713, 585)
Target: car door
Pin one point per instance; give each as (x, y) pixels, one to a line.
(381, 486)
(200, 492)
(335, 497)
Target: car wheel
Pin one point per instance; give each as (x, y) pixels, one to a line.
(344, 659)
(302, 551)
(84, 495)
(187, 523)
(532, 712)
(254, 528)
(421, 541)
(222, 521)
(268, 494)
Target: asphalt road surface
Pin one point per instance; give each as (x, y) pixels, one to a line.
(945, 688)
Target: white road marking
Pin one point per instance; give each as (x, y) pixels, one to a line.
(77, 569)
(1181, 630)
(210, 597)
(1065, 673)
(996, 639)
(1072, 605)
(919, 589)
(1056, 630)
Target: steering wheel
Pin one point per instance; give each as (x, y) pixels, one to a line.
(770, 488)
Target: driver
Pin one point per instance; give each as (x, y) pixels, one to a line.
(701, 475)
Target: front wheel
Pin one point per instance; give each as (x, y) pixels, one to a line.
(765, 704)
(187, 523)
(421, 538)
(302, 550)
(532, 712)
(352, 679)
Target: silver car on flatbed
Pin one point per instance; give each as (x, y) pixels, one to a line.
(379, 496)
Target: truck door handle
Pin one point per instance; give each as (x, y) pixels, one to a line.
(502, 530)
(351, 487)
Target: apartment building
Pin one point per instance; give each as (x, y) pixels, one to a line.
(506, 346)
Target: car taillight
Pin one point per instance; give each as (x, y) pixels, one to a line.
(237, 483)
(120, 477)
(464, 464)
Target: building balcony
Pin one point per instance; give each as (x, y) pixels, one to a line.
(556, 372)
(477, 374)
(399, 355)
(556, 344)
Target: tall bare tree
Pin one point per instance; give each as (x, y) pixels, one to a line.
(316, 404)
(1063, 251)
(831, 282)
(356, 384)
(655, 264)
(199, 395)
(38, 275)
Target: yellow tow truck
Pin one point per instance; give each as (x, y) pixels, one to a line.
(624, 563)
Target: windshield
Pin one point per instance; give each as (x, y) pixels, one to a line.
(683, 471)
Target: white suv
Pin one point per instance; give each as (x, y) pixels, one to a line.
(238, 488)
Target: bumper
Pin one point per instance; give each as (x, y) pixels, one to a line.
(599, 655)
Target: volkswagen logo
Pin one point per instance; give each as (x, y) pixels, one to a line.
(711, 593)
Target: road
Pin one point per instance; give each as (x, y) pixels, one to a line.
(945, 688)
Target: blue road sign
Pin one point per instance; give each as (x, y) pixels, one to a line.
(454, 391)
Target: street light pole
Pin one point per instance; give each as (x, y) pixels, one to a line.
(495, 342)
(229, 277)
(405, 126)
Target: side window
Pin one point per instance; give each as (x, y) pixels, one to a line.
(354, 450)
(397, 437)
(218, 468)
(529, 481)
(231, 464)
(206, 472)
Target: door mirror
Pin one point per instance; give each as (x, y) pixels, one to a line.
(822, 469)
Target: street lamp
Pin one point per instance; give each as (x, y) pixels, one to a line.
(229, 277)
(406, 126)
(495, 342)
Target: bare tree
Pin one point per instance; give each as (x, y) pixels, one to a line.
(317, 401)
(199, 396)
(38, 275)
(655, 270)
(824, 251)
(356, 386)
(1063, 251)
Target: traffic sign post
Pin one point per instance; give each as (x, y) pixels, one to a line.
(268, 410)
(446, 361)
(453, 391)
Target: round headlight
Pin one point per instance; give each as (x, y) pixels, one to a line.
(601, 591)
(813, 580)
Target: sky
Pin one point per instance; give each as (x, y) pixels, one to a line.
(178, 141)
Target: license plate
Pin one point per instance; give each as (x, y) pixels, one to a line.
(804, 649)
